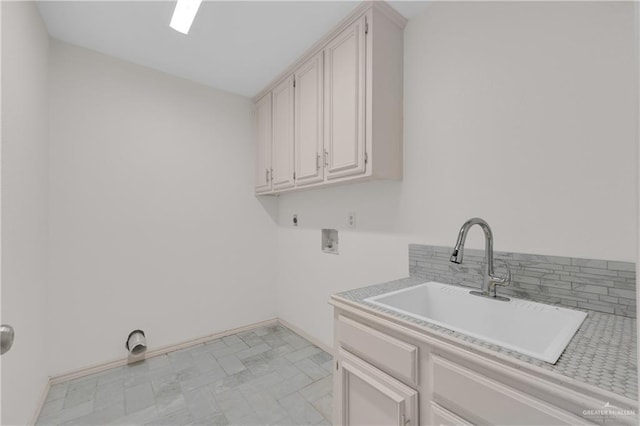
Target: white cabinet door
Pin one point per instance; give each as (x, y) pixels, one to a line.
(345, 65)
(370, 397)
(308, 122)
(475, 396)
(263, 137)
(282, 156)
(443, 417)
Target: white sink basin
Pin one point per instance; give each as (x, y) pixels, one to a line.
(535, 329)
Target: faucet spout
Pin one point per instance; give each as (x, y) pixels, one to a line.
(456, 256)
(489, 280)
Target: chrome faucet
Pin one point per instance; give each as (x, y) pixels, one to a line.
(490, 281)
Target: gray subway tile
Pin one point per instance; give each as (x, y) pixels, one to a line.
(609, 299)
(588, 288)
(599, 308)
(618, 292)
(627, 302)
(621, 266)
(625, 285)
(552, 279)
(597, 271)
(630, 275)
(590, 263)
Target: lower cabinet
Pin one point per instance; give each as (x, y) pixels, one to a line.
(442, 417)
(488, 401)
(387, 377)
(371, 397)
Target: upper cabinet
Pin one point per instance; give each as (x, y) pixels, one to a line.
(345, 96)
(282, 143)
(263, 144)
(309, 101)
(336, 114)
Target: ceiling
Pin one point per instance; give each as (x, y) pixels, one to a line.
(236, 46)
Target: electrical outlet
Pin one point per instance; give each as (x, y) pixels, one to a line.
(351, 220)
(295, 219)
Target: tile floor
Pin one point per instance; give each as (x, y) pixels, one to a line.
(268, 376)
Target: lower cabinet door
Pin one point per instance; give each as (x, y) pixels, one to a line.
(367, 396)
(484, 400)
(444, 417)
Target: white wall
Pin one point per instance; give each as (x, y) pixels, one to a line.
(523, 114)
(153, 220)
(24, 207)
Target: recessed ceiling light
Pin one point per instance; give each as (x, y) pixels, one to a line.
(183, 15)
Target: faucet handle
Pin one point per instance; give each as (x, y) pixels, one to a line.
(503, 281)
(507, 278)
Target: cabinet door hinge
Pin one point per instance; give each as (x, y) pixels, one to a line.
(336, 365)
(294, 83)
(294, 175)
(271, 175)
(366, 157)
(366, 25)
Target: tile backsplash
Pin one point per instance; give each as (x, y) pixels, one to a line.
(598, 285)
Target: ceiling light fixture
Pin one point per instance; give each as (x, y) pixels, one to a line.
(183, 15)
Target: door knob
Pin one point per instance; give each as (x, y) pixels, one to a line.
(6, 338)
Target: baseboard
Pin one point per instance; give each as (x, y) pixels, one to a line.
(41, 401)
(98, 368)
(306, 335)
